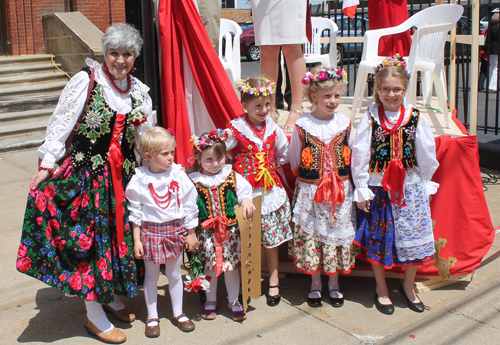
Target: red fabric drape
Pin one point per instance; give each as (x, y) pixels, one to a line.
(385, 14)
(181, 27)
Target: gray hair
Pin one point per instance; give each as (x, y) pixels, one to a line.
(495, 19)
(122, 35)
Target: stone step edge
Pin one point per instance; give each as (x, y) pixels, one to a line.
(21, 144)
(31, 78)
(16, 70)
(26, 114)
(13, 129)
(40, 87)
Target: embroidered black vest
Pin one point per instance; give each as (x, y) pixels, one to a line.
(90, 144)
(335, 148)
(383, 147)
(218, 200)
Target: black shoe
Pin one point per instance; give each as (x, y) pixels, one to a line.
(417, 307)
(387, 309)
(240, 299)
(273, 301)
(314, 302)
(336, 302)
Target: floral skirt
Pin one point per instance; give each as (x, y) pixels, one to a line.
(310, 254)
(163, 242)
(231, 249)
(68, 237)
(276, 227)
(376, 233)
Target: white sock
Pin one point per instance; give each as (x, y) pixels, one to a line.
(212, 294)
(333, 283)
(117, 304)
(96, 315)
(175, 286)
(232, 280)
(151, 290)
(316, 285)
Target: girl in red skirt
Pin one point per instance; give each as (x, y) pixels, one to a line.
(164, 215)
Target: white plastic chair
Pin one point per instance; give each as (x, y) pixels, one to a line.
(230, 57)
(312, 51)
(428, 41)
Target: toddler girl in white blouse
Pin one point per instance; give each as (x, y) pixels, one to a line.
(164, 215)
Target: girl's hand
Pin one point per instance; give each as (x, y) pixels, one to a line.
(138, 250)
(248, 208)
(38, 178)
(364, 206)
(191, 242)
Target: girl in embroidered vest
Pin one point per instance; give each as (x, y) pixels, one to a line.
(164, 215)
(220, 189)
(76, 236)
(394, 151)
(259, 148)
(323, 210)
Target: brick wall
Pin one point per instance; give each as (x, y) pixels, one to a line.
(25, 19)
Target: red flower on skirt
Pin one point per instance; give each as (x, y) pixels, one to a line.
(91, 296)
(101, 264)
(123, 249)
(54, 224)
(75, 281)
(48, 232)
(58, 242)
(41, 201)
(89, 281)
(50, 191)
(23, 264)
(52, 209)
(84, 241)
(22, 251)
(83, 268)
(62, 277)
(107, 275)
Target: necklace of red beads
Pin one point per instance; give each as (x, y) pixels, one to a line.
(163, 201)
(259, 132)
(384, 121)
(110, 78)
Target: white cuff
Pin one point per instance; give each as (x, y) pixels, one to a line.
(48, 162)
(191, 222)
(135, 220)
(431, 187)
(362, 194)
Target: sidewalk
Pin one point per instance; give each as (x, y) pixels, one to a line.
(31, 312)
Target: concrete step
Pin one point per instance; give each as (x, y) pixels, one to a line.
(31, 78)
(9, 70)
(26, 115)
(38, 89)
(11, 129)
(29, 102)
(22, 59)
(21, 142)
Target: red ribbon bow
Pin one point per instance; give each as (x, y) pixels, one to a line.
(394, 179)
(330, 189)
(221, 235)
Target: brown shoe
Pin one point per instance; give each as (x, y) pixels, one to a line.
(152, 331)
(114, 336)
(185, 326)
(124, 314)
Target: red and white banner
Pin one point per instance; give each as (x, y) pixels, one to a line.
(349, 7)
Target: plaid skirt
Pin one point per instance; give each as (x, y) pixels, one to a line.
(163, 242)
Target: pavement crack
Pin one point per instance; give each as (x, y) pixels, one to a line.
(459, 313)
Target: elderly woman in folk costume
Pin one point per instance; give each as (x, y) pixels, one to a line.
(76, 236)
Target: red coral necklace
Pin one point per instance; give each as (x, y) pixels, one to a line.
(384, 121)
(129, 81)
(259, 132)
(161, 200)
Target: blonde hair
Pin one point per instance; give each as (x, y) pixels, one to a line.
(154, 140)
(253, 82)
(323, 84)
(390, 71)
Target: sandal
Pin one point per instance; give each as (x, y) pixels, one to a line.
(336, 302)
(209, 314)
(239, 315)
(273, 301)
(314, 302)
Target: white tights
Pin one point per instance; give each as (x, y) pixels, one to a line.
(232, 280)
(175, 287)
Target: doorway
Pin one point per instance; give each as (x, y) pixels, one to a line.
(5, 42)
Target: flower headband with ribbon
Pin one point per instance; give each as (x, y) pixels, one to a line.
(332, 73)
(199, 143)
(396, 61)
(171, 131)
(244, 87)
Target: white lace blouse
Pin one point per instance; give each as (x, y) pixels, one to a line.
(71, 104)
(425, 150)
(142, 205)
(243, 187)
(276, 197)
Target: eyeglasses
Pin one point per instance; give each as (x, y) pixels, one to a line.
(386, 90)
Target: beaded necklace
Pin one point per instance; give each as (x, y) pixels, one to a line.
(160, 200)
(129, 81)
(259, 132)
(384, 121)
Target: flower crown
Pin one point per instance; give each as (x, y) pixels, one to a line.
(200, 143)
(396, 61)
(332, 73)
(244, 87)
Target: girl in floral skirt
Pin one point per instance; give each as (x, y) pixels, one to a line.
(220, 189)
(394, 151)
(259, 148)
(323, 210)
(164, 215)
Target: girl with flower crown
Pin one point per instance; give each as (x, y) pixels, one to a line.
(323, 210)
(259, 148)
(394, 151)
(164, 215)
(220, 189)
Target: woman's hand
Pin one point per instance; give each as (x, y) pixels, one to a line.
(138, 249)
(364, 206)
(191, 241)
(38, 178)
(248, 208)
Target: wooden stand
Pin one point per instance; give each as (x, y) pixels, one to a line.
(423, 284)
